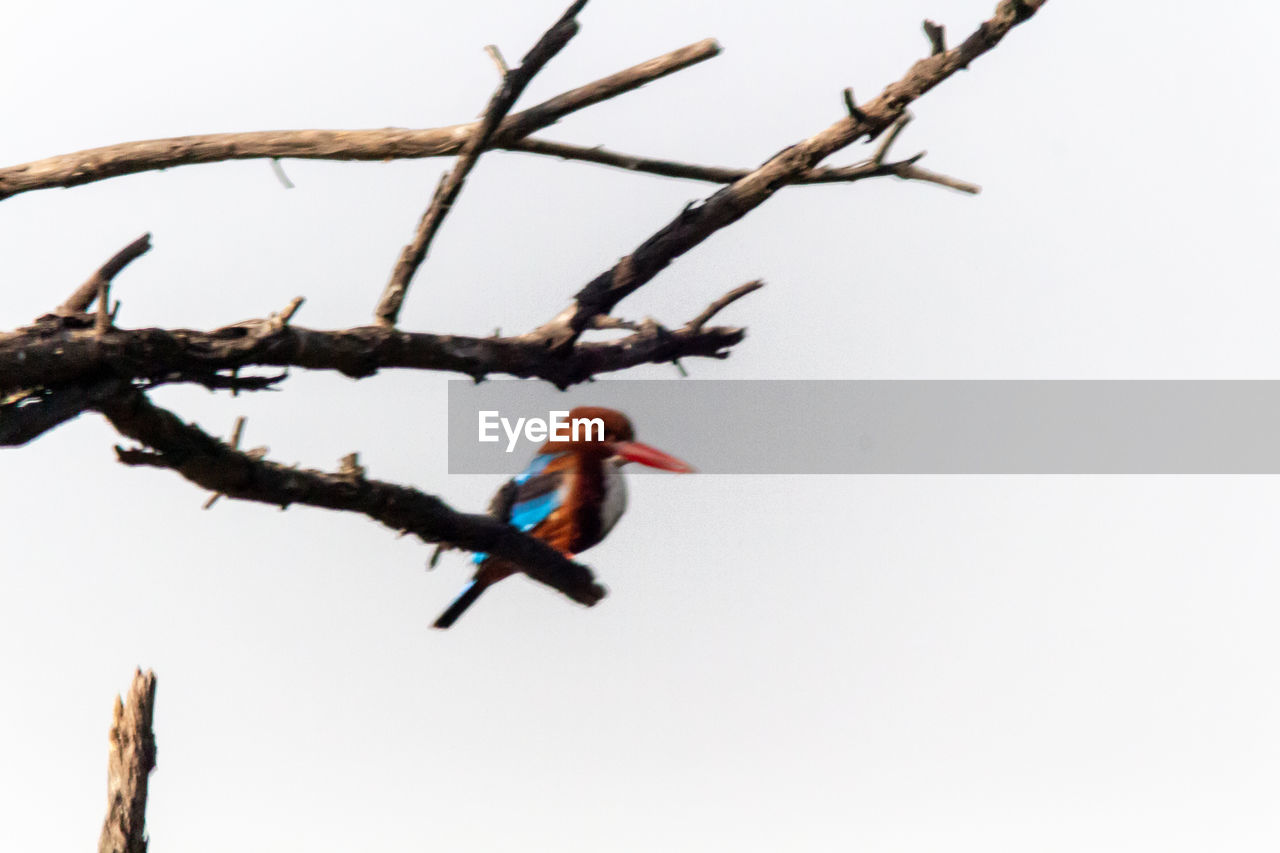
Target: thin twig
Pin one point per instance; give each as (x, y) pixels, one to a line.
(102, 318)
(349, 466)
(891, 137)
(937, 36)
(85, 294)
(724, 302)
(911, 172)
(278, 168)
(496, 56)
(695, 172)
(525, 122)
(630, 162)
(282, 319)
(512, 86)
(232, 381)
(611, 323)
(852, 106)
(236, 432)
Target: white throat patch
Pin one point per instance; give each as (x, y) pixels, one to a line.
(615, 496)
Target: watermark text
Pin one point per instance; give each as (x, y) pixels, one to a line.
(557, 427)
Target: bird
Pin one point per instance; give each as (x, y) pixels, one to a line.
(570, 496)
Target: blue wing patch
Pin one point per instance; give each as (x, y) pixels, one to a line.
(537, 496)
(530, 514)
(535, 467)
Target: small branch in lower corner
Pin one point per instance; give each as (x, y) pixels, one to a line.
(131, 758)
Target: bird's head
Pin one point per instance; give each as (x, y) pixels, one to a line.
(595, 429)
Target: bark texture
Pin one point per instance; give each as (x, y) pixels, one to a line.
(131, 759)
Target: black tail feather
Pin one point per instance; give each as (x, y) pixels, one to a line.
(460, 604)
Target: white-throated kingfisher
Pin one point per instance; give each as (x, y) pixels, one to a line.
(570, 496)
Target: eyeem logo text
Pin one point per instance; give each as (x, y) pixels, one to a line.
(557, 427)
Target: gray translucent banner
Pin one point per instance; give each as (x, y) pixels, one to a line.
(899, 427)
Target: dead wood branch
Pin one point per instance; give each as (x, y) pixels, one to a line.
(698, 222)
(42, 356)
(498, 60)
(97, 164)
(909, 171)
(508, 92)
(85, 294)
(27, 414)
(851, 106)
(168, 442)
(937, 36)
(724, 302)
(131, 759)
(719, 174)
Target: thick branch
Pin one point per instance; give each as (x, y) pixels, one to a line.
(214, 465)
(44, 357)
(29, 414)
(96, 164)
(131, 759)
(698, 222)
(512, 86)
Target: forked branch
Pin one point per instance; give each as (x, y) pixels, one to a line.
(512, 86)
(97, 164)
(697, 222)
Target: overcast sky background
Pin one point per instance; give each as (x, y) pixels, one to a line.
(803, 663)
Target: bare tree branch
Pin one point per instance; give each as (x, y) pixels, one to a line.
(710, 174)
(211, 464)
(908, 171)
(512, 86)
(131, 759)
(85, 294)
(937, 36)
(698, 222)
(97, 164)
(29, 358)
(851, 106)
(29, 413)
(496, 55)
(724, 302)
(46, 356)
(882, 150)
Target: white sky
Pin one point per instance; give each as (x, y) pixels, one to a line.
(881, 664)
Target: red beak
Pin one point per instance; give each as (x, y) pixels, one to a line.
(634, 451)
